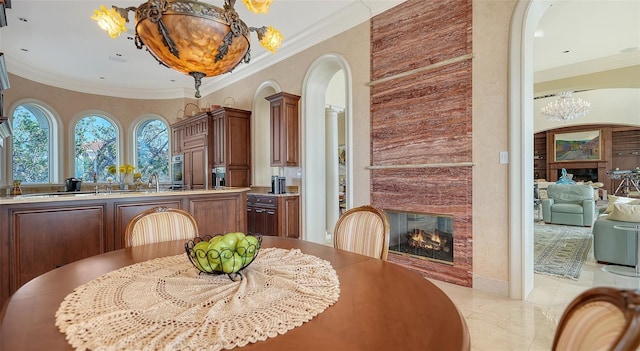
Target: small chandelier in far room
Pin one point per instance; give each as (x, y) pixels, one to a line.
(566, 108)
(192, 37)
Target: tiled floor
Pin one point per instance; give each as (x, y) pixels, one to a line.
(498, 323)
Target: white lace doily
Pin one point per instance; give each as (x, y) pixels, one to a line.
(164, 304)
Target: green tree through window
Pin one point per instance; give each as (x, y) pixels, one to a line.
(96, 148)
(152, 147)
(31, 140)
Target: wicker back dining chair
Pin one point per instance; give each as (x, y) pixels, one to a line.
(160, 224)
(601, 318)
(363, 230)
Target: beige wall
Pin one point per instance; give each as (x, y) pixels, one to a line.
(490, 198)
(353, 45)
(491, 20)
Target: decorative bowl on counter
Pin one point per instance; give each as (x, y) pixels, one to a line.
(223, 254)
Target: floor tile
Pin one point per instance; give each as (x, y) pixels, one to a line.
(499, 323)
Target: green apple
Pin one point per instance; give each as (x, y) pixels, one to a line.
(232, 265)
(221, 251)
(253, 240)
(239, 235)
(200, 251)
(231, 240)
(215, 239)
(247, 247)
(249, 258)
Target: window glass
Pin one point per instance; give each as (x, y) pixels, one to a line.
(152, 147)
(96, 148)
(31, 145)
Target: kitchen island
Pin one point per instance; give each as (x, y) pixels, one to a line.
(41, 232)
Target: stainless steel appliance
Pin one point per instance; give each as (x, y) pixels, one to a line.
(219, 174)
(73, 184)
(177, 172)
(278, 185)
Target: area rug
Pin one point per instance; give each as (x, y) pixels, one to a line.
(561, 250)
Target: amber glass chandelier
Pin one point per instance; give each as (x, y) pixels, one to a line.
(192, 37)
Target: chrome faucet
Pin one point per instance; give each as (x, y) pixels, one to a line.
(154, 175)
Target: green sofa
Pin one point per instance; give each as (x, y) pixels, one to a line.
(612, 245)
(617, 246)
(570, 204)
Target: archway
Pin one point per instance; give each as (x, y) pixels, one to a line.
(524, 21)
(314, 186)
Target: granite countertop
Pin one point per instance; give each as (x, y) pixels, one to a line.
(90, 195)
(266, 193)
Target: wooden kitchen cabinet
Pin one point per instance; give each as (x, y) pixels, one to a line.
(195, 169)
(273, 215)
(262, 215)
(220, 138)
(285, 121)
(231, 140)
(39, 246)
(89, 225)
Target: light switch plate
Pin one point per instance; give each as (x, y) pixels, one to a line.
(504, 157)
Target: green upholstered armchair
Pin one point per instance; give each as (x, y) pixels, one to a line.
(570, 204)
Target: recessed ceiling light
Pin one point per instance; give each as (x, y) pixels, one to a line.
(539, 33)
(566, 52)
(117, 58)
(22, 19)
(102, 78)
(25, 50)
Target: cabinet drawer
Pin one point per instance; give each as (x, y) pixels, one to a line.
(263, 201)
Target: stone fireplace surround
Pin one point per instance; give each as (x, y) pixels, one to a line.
(421, 122)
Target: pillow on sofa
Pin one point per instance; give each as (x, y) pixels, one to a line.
(625, 213)
(620, 200)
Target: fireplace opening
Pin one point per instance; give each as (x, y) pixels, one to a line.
(421, 235)
(582, 174)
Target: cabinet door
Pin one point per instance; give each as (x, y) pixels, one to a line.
(284, 129)
(220, 215)
(291, 157)
(271, 222)
(78, 233)
(199, 169)
(251, 220)
(277, 136)
(219, 140)
(176, 142)
(265, 221)
(195, 169)
(259, 221)
(289, 210)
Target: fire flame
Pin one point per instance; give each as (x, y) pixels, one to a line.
(418, 238)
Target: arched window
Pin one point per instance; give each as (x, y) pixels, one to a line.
(33, 134)
(152, 149)
(96, 148)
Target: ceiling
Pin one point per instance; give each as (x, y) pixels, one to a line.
(581, 37)
(57, 43)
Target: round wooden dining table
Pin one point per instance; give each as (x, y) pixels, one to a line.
(382, 306)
